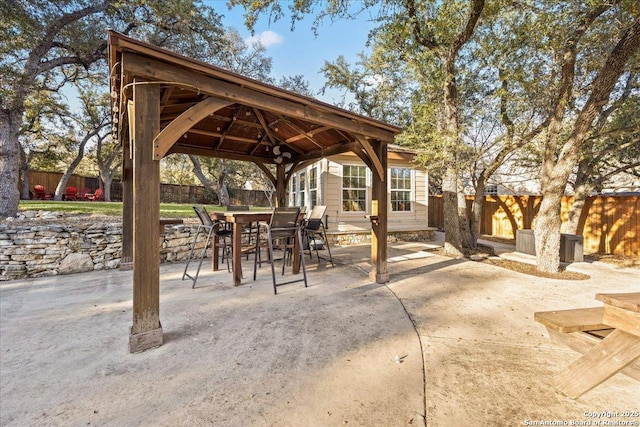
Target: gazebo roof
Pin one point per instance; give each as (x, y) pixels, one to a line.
(165, 103)
(210, 111)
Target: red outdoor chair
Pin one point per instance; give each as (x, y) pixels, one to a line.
(83, 193)
(95, 196)
(39, 193)
(71, 193)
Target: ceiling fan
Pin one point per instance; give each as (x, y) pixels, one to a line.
(280, 155)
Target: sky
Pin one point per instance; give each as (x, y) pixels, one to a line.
(301, 52)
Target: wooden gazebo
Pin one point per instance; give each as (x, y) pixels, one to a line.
(165, 103)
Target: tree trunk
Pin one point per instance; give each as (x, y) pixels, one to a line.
(107, 167)
(223, 192)
(107, 179)
(547, 232)
(476, 215)
(62, 184)
(582, 187)
(581, 193)
(9, 161)
(452, 234)
(24, 176)
(463, 217)
(197, 169)
(455, 208)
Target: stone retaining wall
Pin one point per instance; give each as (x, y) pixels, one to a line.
(48, 250)
(44, 244)
(358, 237)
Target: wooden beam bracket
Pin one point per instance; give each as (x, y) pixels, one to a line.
(185, 121)
(372, 155)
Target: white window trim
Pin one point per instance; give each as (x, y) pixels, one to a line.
(304, 190)
(367, 188)
(412, 192)
(317, 182)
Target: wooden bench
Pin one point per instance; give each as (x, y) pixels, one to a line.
(580, 329)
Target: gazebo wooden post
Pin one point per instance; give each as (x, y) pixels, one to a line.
(126, 262)
(379, 199)
(146, 331)
(281, 186)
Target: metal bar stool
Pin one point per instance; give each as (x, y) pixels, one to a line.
(282, 231)
(314, 230)
(209, 227)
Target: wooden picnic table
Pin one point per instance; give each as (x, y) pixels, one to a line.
(614, 344)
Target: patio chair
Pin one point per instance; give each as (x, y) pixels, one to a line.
(83, 194)
(39, 193)
(95, 196)
(281, 233)
(315, 233)
(209, 228)
(71, 193)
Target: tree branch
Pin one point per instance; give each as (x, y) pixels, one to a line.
(567, 76)
(427, 40)
(602, 85)
(474, 15)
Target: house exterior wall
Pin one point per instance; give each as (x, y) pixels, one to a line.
(330, 190)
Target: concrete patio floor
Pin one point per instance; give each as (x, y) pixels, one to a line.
(445, 342)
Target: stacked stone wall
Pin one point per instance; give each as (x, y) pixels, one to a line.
(361, 237)
(39, 244)
(73, 246)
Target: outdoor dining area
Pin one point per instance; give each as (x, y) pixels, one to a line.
(165, 103)
(238, 232)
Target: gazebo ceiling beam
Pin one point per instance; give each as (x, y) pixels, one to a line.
(228, 128)
(219, 135)
(312, 132)
(331, 151)
(185, 121)
(222, 154)
(300, 131)
(164, 99)
(170, 116)
(258, 144)
(157, 70)
(275, 139)
(265, 127)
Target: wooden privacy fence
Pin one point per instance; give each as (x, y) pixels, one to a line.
(609, 224)
(169, 193)
(50, 180)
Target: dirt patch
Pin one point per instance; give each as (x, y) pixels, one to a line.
(617, 260)
(523, 267)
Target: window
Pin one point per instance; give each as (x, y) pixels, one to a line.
(303, 187)
(400, 189)
(354, 188)
(491, 190)
(313, 187)
(293, 194)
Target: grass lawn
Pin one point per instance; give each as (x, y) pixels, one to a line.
(167, 210)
